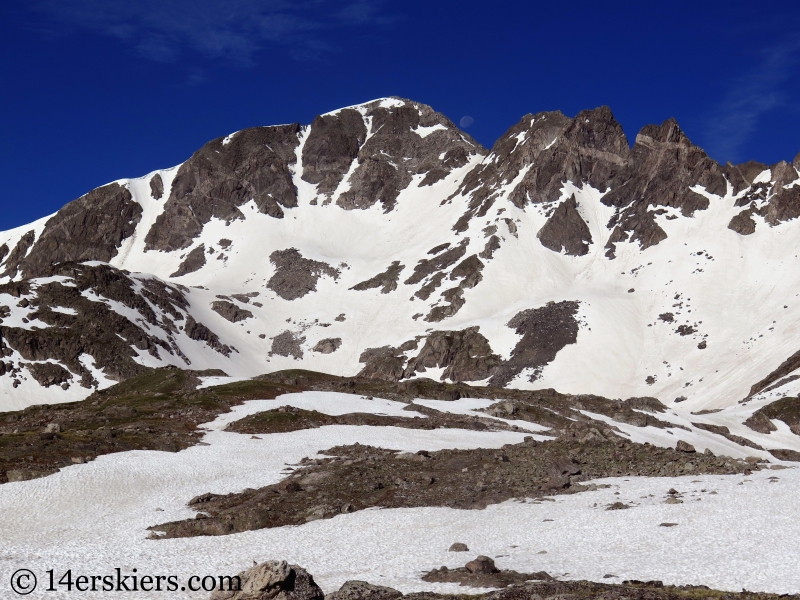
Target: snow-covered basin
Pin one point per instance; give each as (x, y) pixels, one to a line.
(92, 518)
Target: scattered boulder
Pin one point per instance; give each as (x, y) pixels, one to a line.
(482, 564)
(361, 590)
(682, 446)
(458, 547)
(273, 580)
(328, 345)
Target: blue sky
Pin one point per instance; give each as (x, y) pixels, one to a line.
(96, 90)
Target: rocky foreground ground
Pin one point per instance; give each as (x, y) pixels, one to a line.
(277, 580)
(358, 477)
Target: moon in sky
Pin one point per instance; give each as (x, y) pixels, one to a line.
(466, 122)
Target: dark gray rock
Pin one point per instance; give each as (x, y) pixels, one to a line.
(198, 331)
(328, 345)
(48, 374)
(761, 423)
(545, 331)
(112, 340)
(386, 363)
(469, 271)
(785, 368)
(785, 454)
(395, 152)
(387, 280)
(89, 228)
(17, 254)
(429, 266)
(221, 177)
(743, 223)
(566, 230)
(465, 355)
(229, 311)
(296, 276)
(662, 168)
(741, 176)
(682, 446)
(194, 261)
(483, 565)
(156, 187)
(454, 300)
(458, 547)
(492, 244)
(331, 147)
(509, 156)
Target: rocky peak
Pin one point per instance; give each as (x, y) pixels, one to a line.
(592, 149)
(664, 165)
(252, 164)
(597, 130)
(405, 139)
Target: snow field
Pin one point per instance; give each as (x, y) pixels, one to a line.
(92, 518)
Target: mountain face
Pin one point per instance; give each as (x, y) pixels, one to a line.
(381, 240)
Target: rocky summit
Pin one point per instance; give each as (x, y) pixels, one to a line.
(383, 242)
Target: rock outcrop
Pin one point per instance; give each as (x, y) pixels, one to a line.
(273, 580)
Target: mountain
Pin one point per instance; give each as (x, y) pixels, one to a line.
(383, 241)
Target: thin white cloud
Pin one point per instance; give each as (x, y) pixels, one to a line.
(752, 95)
(162, 30)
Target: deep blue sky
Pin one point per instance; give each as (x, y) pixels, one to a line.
(95, 90)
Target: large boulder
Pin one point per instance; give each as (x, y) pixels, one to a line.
(273, 580)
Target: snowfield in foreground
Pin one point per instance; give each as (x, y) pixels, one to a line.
(732, 532)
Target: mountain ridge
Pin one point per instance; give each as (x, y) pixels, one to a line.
(382, 240)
